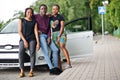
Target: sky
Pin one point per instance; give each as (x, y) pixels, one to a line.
(8, 7)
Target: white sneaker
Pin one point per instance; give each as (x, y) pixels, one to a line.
(68, 66)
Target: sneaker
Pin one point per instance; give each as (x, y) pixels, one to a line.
(57, 71)
(68, 66)
(52, 71)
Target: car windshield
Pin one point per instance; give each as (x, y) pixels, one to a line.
(12, 27)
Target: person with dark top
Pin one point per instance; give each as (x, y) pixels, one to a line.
(45, 39)
(58, 34)
(29, 39)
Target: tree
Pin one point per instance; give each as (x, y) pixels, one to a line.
(1, 24)
(70, 9)
(18, 14)
(114, 12)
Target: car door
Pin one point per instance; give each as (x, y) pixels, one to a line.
(79, 39)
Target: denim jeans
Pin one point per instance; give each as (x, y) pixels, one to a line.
(45, 50)
(32, 49)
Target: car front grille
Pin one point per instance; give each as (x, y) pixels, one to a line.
(9, 60)
(13, 46)
(9, 52)
(9, 49)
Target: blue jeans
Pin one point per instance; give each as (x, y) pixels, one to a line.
(54, 49)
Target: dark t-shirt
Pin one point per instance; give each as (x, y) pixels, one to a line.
(28, 29)
(55, 22)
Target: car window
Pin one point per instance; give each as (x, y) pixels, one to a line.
(12, 27)
(77, 25)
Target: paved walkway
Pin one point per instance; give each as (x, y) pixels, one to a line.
(104, 64)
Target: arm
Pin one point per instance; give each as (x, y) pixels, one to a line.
(21, 34)
(61, 29)
(49, 36)
(37, 37)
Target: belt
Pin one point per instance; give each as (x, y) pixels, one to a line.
(42, 32)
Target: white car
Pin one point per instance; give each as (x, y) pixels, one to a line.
(78, 44)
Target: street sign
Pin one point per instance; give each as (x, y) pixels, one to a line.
(101, 9)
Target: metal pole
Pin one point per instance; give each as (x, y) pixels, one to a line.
(102, 26)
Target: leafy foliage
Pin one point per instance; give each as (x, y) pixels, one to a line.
(1, 23)
(72, 9)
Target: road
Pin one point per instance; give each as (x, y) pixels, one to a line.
(41, 73)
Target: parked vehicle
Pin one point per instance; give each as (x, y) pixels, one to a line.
(78, 43)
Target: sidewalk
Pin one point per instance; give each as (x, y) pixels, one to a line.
(104, 64)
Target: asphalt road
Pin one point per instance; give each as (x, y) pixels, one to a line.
(41, 73)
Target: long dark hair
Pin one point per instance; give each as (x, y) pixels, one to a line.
(31, 10)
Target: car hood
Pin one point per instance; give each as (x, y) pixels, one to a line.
(11, 39)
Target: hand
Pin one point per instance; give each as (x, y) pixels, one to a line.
(26, 44)
(58, 39)
(48, 41)
(49, 14)
(38, 46)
